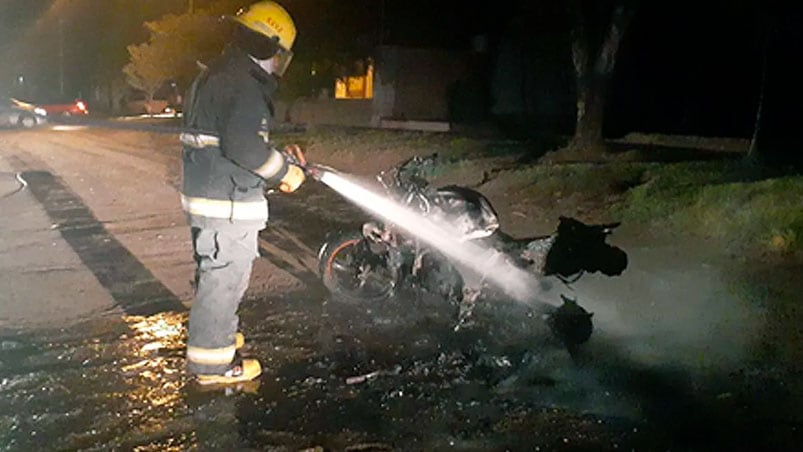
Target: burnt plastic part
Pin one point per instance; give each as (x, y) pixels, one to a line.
(456, 199)
(571, 323)
(580, 247)
(412, 170)
(438, 276)
(468, 210)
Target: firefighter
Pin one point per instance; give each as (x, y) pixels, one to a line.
(228, 163)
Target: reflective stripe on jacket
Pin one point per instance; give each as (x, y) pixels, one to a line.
(198, 140)
(227, 210)
(227, 168)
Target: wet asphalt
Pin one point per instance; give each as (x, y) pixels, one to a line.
(382, 376)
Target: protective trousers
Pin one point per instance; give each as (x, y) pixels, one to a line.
(224, 260)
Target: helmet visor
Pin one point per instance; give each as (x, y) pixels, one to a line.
(281, 61)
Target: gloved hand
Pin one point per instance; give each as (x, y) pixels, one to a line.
(292, 179)
(295, 171)
(294, 155)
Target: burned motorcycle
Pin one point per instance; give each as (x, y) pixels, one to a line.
(379, 261)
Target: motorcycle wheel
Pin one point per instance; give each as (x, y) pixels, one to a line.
(352, 273)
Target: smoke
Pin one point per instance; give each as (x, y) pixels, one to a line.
(672, 307)
(666, 331)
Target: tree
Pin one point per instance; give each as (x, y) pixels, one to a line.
(175, 44)
(109, 54)
(148, 69)
(188, 38)
(776, 139)
(599, 28)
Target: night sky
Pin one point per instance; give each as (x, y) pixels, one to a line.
(684, 66)
(697, 68)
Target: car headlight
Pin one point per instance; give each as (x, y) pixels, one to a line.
(40, 111)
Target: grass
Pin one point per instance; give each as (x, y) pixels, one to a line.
(712, 199)
(719, 200)
(766, 212)
(666, 188)
(723, 199)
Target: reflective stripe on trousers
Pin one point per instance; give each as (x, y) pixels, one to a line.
(225, 209)
(223, 269)
(211, 356)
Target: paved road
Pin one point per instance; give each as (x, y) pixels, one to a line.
(96, 271)
(107, 200)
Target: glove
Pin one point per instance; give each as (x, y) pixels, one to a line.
(295, 169)
(294, 155)
(292, 179)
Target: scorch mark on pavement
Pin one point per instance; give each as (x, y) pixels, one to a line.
(129, 282)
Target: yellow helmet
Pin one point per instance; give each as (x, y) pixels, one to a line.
(269, 19)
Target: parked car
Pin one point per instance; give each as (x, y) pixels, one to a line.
(139, 105)
(16, 113)
(74, 108)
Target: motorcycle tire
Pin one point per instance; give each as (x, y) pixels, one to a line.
(341, 263)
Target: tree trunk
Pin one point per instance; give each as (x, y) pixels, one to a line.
(590, 114)
(594, 57)
(752, 150)
(149, 103)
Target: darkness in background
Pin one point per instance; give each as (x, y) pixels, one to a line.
(685, 67)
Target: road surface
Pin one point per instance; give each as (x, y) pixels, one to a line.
(96, 270)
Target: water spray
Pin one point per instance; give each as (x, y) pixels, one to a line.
(489, 264)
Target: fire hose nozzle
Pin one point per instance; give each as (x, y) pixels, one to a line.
(316, 171)
(295, 156)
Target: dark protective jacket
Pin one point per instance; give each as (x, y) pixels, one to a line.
(227, 161)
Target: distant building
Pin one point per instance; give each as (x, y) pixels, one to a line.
(359, 86)
(398, 87)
